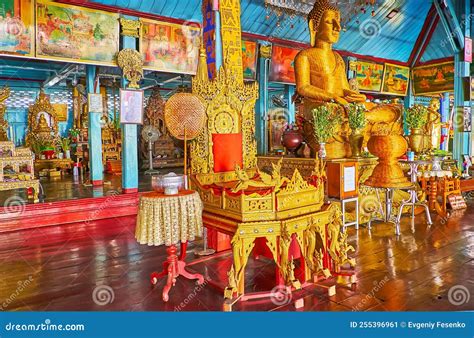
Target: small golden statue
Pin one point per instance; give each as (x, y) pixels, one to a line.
(43, 126)
(432, 129)
(4, 94)
(321, 77)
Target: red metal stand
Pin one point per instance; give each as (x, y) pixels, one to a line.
(174, 267)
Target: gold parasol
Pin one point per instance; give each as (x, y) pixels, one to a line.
(185, 116)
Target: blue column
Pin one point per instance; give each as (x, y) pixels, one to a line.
(462, 140)
(289, 92)
(219, 51)
(407, 103)
(445, 119)
(262, 107)
(95, 132)
(129, 138)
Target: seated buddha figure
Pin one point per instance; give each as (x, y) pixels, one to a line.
(43, 126)
(321, 77)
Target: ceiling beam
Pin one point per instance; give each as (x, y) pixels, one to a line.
(429, 26)
(447, 14)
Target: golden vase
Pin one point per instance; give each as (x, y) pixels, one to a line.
(417, 140)
(356, 139)
(387, 173)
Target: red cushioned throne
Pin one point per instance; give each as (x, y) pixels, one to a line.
(252, 206)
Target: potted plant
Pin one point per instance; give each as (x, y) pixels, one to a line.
(37, 145)
(48, 150)
(324, 126)
(357, 122)
(66, 146)
(74, 135)
(416, 117)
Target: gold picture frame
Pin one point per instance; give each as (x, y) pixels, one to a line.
(169, 47)
(61, 110)
(92, 37)
(131, 106)
(433, 79)
(396, 79)
(21, 19)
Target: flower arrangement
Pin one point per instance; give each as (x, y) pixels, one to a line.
(356, 116)
(65, 143)
(290, 126)
(37, 145)
(416, 116)
(324, 123)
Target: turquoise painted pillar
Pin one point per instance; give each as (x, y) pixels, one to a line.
(129, 137)
(460, 137)
(219, 51)
(462, 140)
(95, 132)
(289, 92)
(261, 108)
(407, 103)
(351, 74)
(445, 119)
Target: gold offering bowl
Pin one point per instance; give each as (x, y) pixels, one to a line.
(387, 173)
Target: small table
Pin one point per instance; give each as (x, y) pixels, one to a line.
(345, 201)
(170, 219)
(387, 213)
(414, 201)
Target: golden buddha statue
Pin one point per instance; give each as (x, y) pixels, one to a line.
(432, 129)
(43, 126)
(321, 77)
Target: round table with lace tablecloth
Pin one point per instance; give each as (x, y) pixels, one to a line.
(169, 220)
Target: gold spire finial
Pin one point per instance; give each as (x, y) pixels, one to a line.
(202, 71)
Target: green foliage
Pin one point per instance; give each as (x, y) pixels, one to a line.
(74, 132)
(65, 143)
(57, 35)
(356, 115)
(416, 116)
(441, 153)
(98, 33)
(325, 122)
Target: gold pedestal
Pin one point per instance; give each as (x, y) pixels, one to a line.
(388, 173)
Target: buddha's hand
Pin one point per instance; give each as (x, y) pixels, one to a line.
(353, 96)
(341, 100)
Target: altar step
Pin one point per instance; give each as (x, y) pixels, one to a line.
(37, 215)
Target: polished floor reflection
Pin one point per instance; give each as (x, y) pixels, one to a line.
(59, 268)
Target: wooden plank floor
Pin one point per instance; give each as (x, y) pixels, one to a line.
(58, 268)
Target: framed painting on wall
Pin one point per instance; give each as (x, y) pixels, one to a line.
(369, 76)
(249, 59)
(61, 111)
(277, 122)
(72, 33)
(433, 79)
(168, 47)
(395, 79)
(95, 102)
(131, 106)
(17, 27)
(283, 64)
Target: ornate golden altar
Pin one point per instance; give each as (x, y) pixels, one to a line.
(16, 169)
